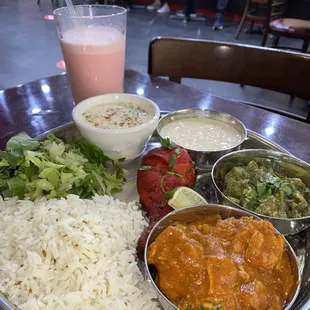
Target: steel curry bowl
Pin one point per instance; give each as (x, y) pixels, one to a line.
(204, 160)
(283, 164)
(197, 212)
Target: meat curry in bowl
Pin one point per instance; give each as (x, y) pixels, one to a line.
(221, 258)
(268, 184)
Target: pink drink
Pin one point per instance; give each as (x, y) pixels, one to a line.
(95, 60)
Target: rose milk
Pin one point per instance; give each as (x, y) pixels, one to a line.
(95, 60)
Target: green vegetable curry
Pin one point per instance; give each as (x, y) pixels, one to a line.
(261, 190)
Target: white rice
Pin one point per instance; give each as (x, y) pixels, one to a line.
(72, 254)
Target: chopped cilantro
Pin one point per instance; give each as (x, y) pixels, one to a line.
(287, 190)
(166, 143)
(145, 168)
(178, 151)
(171, 160)
(272, 181)
(174, 173)
(233, 199)
(261, 188)
(169, 195)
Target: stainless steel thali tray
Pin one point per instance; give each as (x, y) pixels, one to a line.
(300, 242)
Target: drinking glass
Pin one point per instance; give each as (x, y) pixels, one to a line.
(93, 46)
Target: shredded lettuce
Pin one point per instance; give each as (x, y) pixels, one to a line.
(53, 168)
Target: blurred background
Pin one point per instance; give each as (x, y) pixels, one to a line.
(30, 48)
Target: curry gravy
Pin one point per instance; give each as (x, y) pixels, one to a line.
(223, 264)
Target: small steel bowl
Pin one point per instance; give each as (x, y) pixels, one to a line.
(198, 212)
(282, 163)
(204, 160)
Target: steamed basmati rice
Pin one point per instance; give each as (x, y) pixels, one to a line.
(72, 254)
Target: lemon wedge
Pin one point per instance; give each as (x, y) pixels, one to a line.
(184, 197)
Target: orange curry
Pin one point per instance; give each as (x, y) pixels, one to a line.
(223, 264)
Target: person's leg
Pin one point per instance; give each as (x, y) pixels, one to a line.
(155, 6)
(220, 11)
(164, 7)
(189, 10)
(221, 7)
(190, 7)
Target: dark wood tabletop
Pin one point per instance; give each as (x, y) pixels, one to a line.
(41, 105)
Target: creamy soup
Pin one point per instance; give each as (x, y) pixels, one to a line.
(202, 134)
(114, 116)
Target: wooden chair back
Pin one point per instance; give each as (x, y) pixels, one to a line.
(275, 9)
(272, 69)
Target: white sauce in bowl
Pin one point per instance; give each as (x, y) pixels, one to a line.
(115, 116)
(202, 134)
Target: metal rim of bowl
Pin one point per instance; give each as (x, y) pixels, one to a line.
(247, 213)
(278, 154)
(215, 112)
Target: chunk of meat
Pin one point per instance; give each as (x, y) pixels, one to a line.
(224, 302)
(264, 251)
(225, 230)
(256, 296)
(244, 230)
(162, 170)
(173, 253)
(255, 172)
(271, 206)
(297, 206)
(167, 169)
(223, 274)
(236, 180)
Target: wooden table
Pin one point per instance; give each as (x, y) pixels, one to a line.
(41, 105)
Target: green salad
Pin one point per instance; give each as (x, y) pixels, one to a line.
(51, 168)
(260, 189)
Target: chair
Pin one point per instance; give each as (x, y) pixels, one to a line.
(276, 24)
(250, 13)
(279, 26)
(271, 69)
